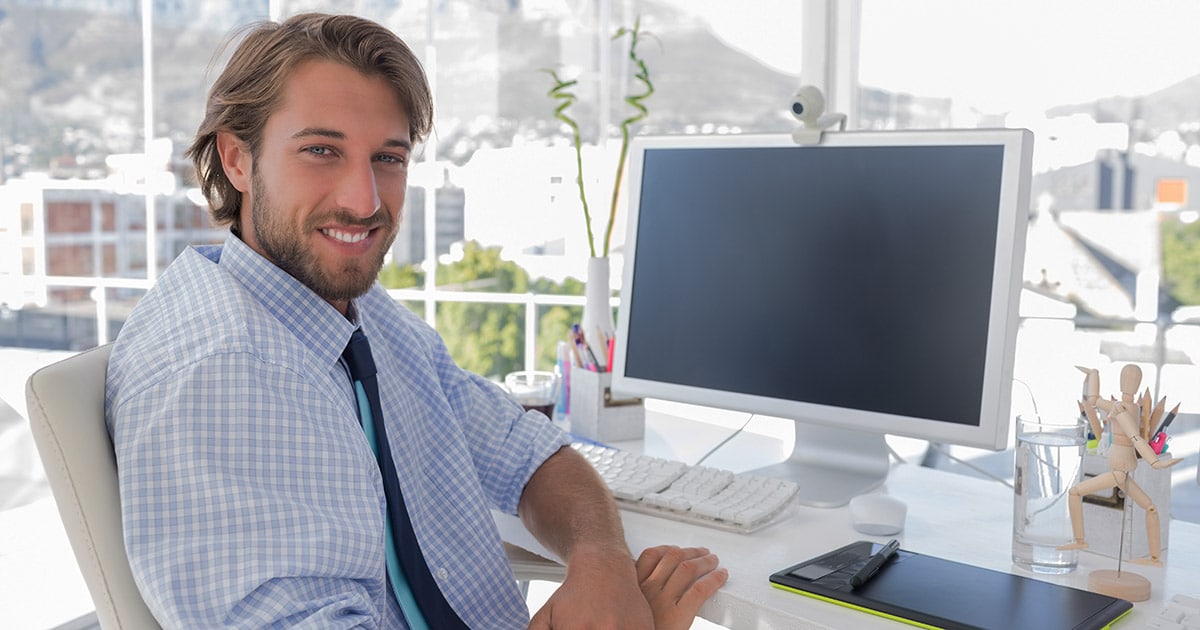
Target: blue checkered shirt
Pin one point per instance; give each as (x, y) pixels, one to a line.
(249, 495)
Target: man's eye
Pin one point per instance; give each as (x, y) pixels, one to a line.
(388, 158)
(318, 150)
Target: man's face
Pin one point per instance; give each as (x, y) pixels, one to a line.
(328, 183)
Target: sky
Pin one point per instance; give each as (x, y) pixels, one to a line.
(994, 55)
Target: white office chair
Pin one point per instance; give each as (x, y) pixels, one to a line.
(66, 411)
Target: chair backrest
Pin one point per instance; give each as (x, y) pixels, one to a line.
(66, 413)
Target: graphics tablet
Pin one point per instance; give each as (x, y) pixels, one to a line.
(935, 593)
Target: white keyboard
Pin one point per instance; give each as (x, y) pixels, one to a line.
(696, 494)
(1181, 613)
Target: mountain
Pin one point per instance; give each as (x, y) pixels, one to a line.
(73, 87)
(73, 84)
(1169, 109)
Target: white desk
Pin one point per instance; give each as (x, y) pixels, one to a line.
(955, 517)
(951, 516)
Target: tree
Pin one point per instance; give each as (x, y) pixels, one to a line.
(395, 276)
(555, 321)
(484, 338)
(489, 339)
(1181, 260)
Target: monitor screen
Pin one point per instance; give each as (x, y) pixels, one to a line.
(869, 282)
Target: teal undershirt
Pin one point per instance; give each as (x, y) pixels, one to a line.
(404, 594)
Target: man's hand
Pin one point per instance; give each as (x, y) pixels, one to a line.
(674, 583)
(600, 591)
(677, 581)
(568, 509)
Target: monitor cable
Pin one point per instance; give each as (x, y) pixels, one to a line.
(941, 448)
(725, 441)
(1032, 398)
(943, 451)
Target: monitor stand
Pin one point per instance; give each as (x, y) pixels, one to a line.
(832, 465)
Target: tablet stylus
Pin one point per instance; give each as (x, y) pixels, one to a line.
(868, 570)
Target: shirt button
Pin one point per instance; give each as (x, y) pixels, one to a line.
(442, 574)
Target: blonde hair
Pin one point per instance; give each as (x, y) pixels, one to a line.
(250, 86)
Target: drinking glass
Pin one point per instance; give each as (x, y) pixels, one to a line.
(1049, 462)
(535, 390)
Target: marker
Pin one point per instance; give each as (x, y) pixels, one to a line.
(1092, 439)
(877, 560)
(564, 363)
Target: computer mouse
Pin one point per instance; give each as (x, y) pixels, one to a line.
(877, 514)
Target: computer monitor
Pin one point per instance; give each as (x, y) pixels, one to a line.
(863, 286)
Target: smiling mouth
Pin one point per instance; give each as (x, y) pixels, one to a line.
(346, 237)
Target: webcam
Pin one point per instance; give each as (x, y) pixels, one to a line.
(808, 104)
(808, 107)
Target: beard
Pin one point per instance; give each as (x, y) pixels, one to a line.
(286, 246)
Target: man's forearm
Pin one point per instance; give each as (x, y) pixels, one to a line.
(569, 509)
(566, 504)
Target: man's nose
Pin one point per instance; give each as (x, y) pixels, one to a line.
(359, 192)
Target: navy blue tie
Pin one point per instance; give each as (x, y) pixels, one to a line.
(433, 606)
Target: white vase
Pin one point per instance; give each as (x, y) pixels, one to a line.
(597, 309)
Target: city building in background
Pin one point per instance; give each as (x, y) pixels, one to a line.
(102, 97)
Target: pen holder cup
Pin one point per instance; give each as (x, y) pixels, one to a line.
(1103, 512)
(597, 414)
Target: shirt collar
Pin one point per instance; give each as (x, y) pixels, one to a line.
(315, 322)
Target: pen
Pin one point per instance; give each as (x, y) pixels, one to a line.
(877, 560)
(585, 352)
(1167, 422)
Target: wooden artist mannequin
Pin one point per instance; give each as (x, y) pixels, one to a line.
(1127, 443)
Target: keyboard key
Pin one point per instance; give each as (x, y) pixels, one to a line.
(696, 494)
(1181, 613)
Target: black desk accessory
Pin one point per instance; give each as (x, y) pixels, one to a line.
(933, 592)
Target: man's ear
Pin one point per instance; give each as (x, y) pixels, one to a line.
(235, 160)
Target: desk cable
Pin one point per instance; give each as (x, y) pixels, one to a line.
(725, 441)
(934, 445)
(1032, 398)
(940, 448)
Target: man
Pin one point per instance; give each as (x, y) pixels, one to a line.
(250, 493)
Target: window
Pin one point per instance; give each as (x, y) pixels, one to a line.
(1102, 85)
(493, 238)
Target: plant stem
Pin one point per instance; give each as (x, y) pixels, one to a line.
(559, 91)
(634, 100)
